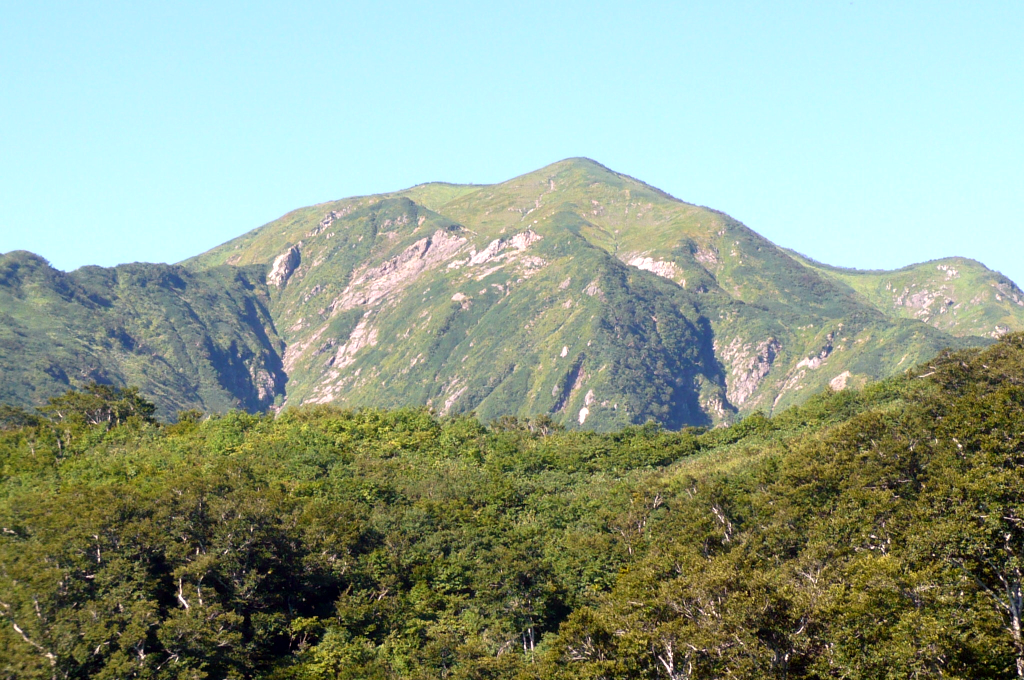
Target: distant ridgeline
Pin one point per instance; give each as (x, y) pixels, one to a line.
(866, 533)
(572, 291)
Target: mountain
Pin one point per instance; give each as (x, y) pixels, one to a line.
(187, 339)
(956, 294)
(573, 291)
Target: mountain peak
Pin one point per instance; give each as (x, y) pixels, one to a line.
(582, 163)
(579, 167)
(572, 290)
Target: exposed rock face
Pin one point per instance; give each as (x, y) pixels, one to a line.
(266, 383)
(372, 285)
(838, 383)
(369, 288)
(573, 380)
(706, 256)
(662, 268)
(455, 390)
(921, 301)
(585, 411)
(815, 362)
(811, 363)
(362, 336)
(494, 249)
(929, 303)
(525, 239)
(329, 219)
(482, 298)
(284, 266)
(748, 366)
(1010, 291)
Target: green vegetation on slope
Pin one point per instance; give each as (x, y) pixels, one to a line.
(956, 294)
(867, 533)
(187, 339)
(571, 291)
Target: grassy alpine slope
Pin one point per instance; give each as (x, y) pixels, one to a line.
(572, 291)
(958, 295)
(864, 534)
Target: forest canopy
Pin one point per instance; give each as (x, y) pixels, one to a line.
(865, 534)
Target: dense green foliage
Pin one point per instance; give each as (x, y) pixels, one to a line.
(864, 534)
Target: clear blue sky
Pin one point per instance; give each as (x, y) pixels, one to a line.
(867, 134)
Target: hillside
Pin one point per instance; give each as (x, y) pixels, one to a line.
(956, 294)
(868, 533)
(188, 339)
(572, 291)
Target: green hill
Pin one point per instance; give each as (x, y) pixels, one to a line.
(572, 291)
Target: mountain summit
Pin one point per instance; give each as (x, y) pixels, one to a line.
(572, 291)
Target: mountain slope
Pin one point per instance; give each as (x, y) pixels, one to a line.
(187, 339)
(956, 294)
(572, 291)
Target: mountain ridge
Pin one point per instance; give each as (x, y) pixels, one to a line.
(906, 293)
(571, 290)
